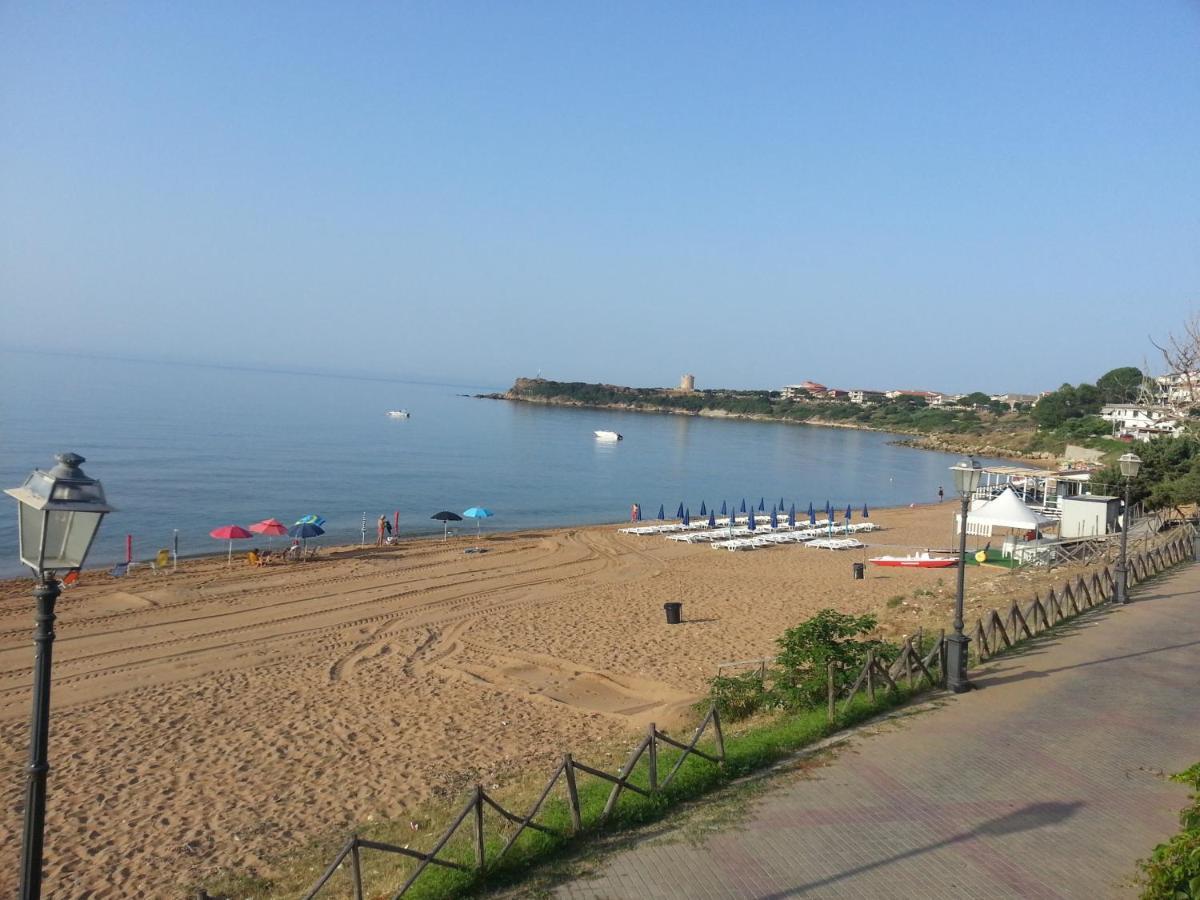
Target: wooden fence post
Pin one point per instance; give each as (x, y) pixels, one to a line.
(871, 675)
(652, 737)
(479, 826)
(942, 654)
(572, 794)
(356, 870)
(981, 642)
(829, 690)
(718, 736)
(907, 657)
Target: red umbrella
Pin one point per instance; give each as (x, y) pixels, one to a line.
(269, 527)
(230, 533)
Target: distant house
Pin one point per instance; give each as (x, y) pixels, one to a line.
(864, 396)
(805, 390)
(946, 399)
(1012, 400)
(836, 394)
(1142, 423)
(1180, 387)
(920, 395)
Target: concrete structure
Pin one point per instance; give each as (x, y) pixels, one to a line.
(687, 384)
(1088, 515)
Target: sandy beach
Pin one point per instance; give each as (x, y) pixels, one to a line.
(214, 717)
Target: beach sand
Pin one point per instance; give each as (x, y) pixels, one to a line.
(215, 717)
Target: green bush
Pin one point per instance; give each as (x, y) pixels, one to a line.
(737, 696)
(799, 677)
(1173, 870)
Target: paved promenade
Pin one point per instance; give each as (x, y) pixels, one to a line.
(1045, 782)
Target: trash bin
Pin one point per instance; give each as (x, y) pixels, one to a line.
(674, 612)
(859, 570)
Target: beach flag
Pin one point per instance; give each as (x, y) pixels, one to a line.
(679, 512)
(865, 513)
(712, 518)
(703, 510)
(687, 517)
(762, 504)
(662, 513)
(724, 509)
(743, 504)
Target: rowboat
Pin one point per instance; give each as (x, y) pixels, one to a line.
(916, 561)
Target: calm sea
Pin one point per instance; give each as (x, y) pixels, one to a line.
(193, 448)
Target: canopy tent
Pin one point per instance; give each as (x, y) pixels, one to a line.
(1003, 511)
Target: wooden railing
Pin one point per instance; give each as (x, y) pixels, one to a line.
(565, 771)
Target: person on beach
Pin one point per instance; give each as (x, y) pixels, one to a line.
(940, 493)
(633, 512)
(387, 531)
(379, 531)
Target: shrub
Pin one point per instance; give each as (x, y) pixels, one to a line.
(1173, 870)
(799, 677)
(737, 696)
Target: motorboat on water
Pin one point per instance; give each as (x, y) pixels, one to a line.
(607, 436)
(921, 560)
(397, 413)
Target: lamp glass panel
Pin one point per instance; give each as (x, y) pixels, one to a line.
(1130, 464)
(39, 484)
(68, 536)
(29, 527)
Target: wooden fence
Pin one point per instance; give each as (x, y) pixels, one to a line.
(565, 771)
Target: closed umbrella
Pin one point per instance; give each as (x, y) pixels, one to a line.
(445, 517)
(762, 504)
(750, 519)
(792, 515)
(679, 512)
(781, 504)
(712, 518)
(662, 513)
(828, 510)
(703, 511)
(637, 512)
(848, 512)
(743, 509)
(865, 512)
(230, 533)
(774, 518)
(687, 517)
(812, 514)
(724, 509)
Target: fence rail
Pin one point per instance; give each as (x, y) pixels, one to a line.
(566, 772)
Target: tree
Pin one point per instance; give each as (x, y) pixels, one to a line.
(977, 398)
(1120, 385)
(1068, 402)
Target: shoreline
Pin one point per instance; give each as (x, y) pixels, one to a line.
(918, 440)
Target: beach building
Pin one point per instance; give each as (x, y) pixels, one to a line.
(1141, 423)
(864, 396)
(1089, 515)
(805, 390)
(687, 384)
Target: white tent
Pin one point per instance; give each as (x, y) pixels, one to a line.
(1004, 511)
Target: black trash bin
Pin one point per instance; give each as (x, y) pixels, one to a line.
(859, 570)
(674, 612)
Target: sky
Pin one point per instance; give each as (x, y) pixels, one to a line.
(950, 196)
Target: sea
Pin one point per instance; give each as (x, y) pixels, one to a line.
(183, 449)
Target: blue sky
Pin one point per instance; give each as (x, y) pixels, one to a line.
(951, 196)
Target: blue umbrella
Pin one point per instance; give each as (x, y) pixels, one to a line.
(637, 512)
(847, 512)
(792, 515)
(687, 517)
(743, 509)
(724, 509)
(478, 513)
(311, 519)
(750, 520)
(703, 511)
(865, 513)
(712, 518)
(812, 514)
(679, 514)
(781, 504)
(305, 530)
(828, 510)
(662, 513)
(774, 518)
(762, 504)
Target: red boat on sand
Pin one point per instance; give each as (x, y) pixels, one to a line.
(917, 561)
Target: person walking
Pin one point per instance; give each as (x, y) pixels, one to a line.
(941, 493)
(387, 530)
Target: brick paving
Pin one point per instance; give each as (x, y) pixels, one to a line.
(1045, 782)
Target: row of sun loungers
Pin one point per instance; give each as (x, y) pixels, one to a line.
(740, 537)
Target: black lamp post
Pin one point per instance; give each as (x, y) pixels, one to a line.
(1130, 463)
(966, 480)
(58, 515)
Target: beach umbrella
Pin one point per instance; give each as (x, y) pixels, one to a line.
(848, 511)
(712, 518)
(750, 518)
(637, 512)
(679, 512)
(724, 509)
(812, 514)
(687, 517)
(792, 515)
(311, 519)
(828, 510)
(271, 527)
(662, 513)
(305, 530)
(230, 533)
(865, 513)
(781, 504)
(703, 511)
(743, 509)
(445, 517)
(478, 513)
(762, 504)
(774, 518)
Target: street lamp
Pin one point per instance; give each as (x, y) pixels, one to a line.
(1130, 463)
(58, 515)
(966, 481)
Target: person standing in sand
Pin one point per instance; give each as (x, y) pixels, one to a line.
(379, 529)
(941, 493)
(633, 513)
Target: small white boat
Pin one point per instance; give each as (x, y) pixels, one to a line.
(607, 436)
(397, 413)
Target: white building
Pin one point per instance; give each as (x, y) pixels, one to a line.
(865, 396)
(1142, 423)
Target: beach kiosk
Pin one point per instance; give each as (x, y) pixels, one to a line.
(1089, 515)
(1006, 512)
